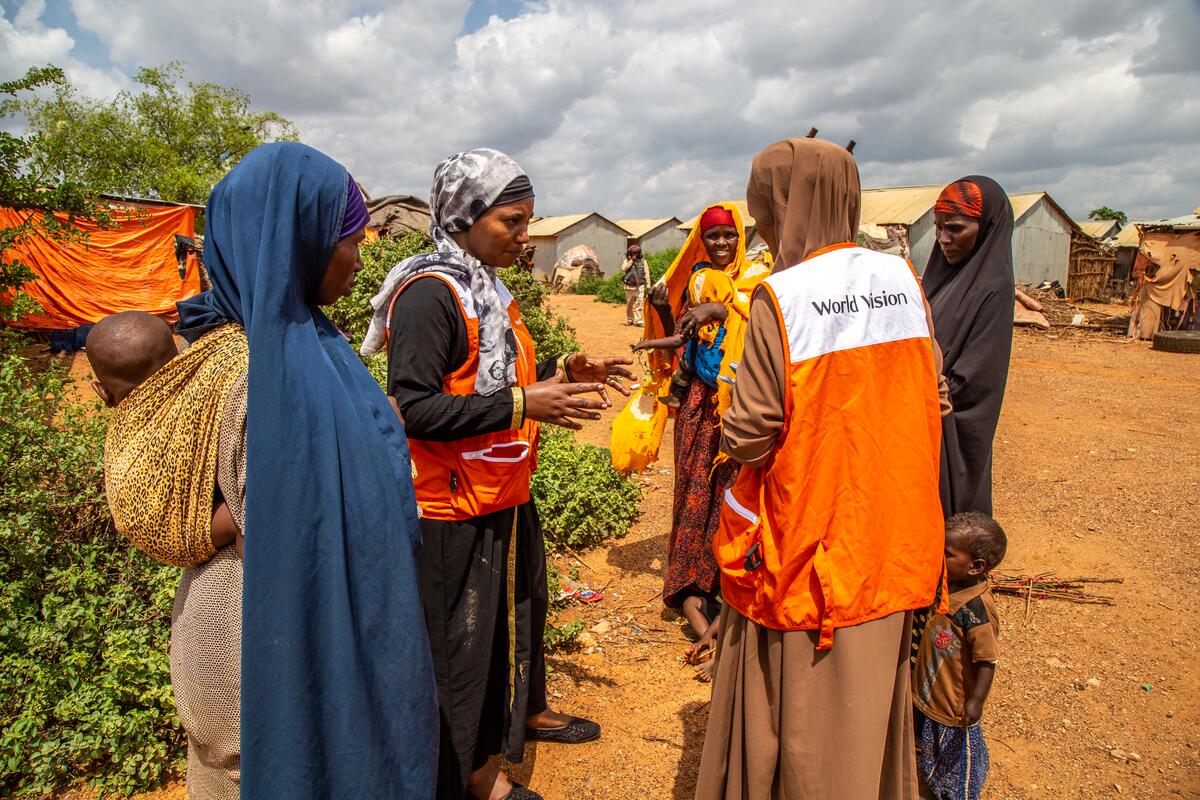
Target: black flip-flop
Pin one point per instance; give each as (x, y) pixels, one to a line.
(577, 731)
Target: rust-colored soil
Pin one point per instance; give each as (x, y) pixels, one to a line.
(1097, 473)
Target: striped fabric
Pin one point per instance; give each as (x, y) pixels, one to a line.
(960, 197)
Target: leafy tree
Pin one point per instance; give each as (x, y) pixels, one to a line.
(1104, 212)
(27, 186)
(165, 139)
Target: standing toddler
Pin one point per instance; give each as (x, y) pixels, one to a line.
(956, 661)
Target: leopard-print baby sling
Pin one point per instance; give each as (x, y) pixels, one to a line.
(160, 452)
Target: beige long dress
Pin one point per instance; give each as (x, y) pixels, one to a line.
(788, 722)
(206, 634)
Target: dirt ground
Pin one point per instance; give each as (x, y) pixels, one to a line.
(1097, 473)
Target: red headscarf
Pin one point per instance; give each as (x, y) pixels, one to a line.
(961, 197)
(716, 216)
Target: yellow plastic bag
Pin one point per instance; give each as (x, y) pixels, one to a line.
(637, 431)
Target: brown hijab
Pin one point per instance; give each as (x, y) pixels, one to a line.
(804, 195)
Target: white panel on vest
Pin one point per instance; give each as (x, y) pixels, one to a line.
(848, 298)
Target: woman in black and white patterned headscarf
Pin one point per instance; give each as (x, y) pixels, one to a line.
(462, 371)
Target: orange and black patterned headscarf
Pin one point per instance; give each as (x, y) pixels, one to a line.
(961, 197)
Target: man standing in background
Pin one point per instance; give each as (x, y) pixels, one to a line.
(637, 277)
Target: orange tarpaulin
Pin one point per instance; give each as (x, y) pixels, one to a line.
(129, 267)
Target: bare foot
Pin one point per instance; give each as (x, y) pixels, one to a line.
(489, 783)
(548, 719)
(705, 646)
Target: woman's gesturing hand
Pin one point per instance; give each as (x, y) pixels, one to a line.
(604, 371)
(560, 403)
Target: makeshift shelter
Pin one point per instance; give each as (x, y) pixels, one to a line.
(1102, 229)
(752, 238)
(573, 266)
(1167, 271)
(654, 235)
(134, 266)
(552, 237)
(1126, 243)
(398, 214)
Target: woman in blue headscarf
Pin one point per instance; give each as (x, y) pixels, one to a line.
(336, 695)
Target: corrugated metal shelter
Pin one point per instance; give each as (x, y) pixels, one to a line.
(1099, 228)
(1042, 234)
(1042, 231)
(654, 235)
(910, 207)
(752, 237)
(553, 236)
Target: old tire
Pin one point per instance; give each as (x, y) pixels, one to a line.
(1177, 341)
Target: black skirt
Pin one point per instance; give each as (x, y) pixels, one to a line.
(485, 608)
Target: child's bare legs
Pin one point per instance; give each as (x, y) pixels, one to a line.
(693, 612)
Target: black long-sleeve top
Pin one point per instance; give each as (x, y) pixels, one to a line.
(428, 341)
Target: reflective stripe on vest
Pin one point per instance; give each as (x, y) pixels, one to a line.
(480, 474)
(844, 521)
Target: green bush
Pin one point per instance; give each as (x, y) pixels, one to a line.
(612, 289)
(552, 336)
(84, 618)
(660, 262)
(589, 285)
(581, 499)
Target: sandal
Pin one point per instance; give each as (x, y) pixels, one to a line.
(577, 731)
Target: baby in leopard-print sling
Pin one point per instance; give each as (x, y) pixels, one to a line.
(124, 350)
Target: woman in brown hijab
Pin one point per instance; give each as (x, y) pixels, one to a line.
(833, 533)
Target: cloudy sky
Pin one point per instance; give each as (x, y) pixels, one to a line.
(642, 108)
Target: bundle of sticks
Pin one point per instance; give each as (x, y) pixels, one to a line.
(1047, 586)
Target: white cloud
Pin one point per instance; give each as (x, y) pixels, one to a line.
(636, 107)
(26, 42)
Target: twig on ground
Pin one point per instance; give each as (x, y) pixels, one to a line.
(578, 558)
(664, 741)
(1048, 587)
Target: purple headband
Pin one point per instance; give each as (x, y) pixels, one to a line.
(356, 216)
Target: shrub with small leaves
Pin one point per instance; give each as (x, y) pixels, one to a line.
(552, 335)
(612, 289)
(589, 285)
(85, 686)
(581, 499)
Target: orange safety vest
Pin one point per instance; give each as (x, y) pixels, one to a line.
(843, 524)
(480, 474)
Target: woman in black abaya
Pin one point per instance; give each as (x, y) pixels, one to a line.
(969, 284)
